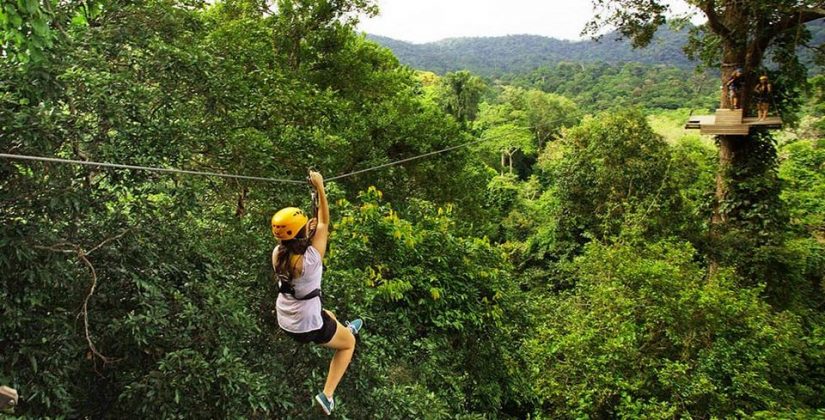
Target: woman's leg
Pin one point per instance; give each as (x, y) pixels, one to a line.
(343, 342)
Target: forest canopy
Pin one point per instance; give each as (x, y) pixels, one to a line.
(560, 260)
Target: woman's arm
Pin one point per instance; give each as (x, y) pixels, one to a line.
(319, 240)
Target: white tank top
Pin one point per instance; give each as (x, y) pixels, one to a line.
(300, 316)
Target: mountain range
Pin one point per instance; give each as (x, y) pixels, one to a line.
(495, 56)
(518, 54)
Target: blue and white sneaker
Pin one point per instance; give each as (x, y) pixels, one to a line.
(327, 404)
(355, 325)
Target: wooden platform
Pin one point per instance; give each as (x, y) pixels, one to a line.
(730, 122)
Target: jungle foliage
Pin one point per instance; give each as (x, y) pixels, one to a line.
(601, 86)
(557, 268)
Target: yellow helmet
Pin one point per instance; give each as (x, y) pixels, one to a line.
(287, 222)
(763, 78)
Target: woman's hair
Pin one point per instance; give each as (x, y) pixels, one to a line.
(286, 249)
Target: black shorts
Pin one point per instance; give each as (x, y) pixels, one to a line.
(320, 336)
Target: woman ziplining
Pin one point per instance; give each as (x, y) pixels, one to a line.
(297, 260)
(298, 264)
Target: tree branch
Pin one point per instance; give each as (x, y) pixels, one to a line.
(715, 23)
(794, 19)
(106, 241)
(756, 47)
(70, 248)
(85, 310)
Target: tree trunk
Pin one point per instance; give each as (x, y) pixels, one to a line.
(725, 160)
(732, 58)
(240, 209)
(503, 163)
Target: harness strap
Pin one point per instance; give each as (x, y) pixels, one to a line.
(287, 289)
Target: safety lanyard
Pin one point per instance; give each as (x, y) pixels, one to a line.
(314, 194)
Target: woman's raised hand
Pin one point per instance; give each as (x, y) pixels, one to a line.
(316, 179)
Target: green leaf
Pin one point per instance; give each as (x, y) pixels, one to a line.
(40, 28)
(15, 19)
(32, 6)
(79, 19)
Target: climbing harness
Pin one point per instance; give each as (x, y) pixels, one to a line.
(285, 287)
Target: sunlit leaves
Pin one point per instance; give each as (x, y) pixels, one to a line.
(24, 28)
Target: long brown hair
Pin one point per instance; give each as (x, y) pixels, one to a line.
(286, 249)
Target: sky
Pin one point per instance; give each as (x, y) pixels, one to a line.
(422, 21)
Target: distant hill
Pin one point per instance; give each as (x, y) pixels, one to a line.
(495, 56)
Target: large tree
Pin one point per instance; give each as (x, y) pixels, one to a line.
(736, 34)
(524, 121)
(460, 93)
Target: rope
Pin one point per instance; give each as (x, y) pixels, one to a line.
(225, 175)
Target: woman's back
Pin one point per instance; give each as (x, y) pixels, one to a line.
(295, 315)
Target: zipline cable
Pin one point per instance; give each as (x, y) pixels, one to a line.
(144, 168)
(225, 175)
(397, 162)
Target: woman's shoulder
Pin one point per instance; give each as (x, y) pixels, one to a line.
(312, 257)
(311, 252)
